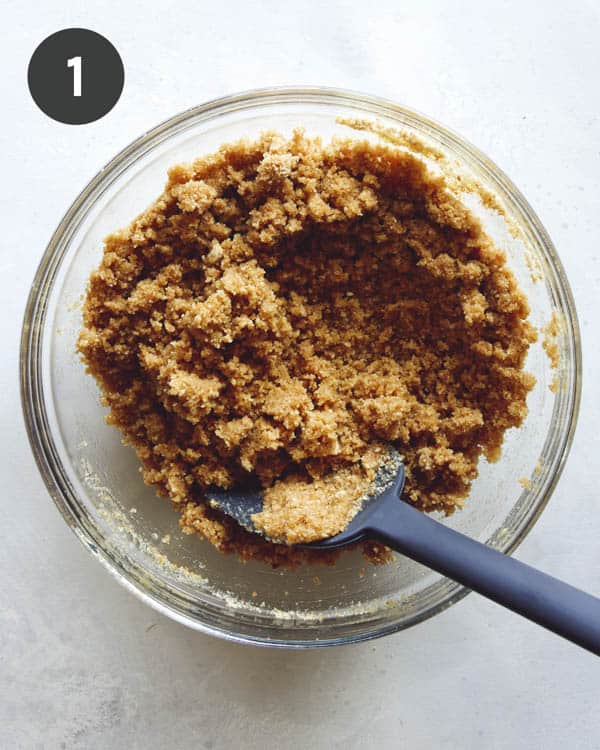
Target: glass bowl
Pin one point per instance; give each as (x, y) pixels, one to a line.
(94, 479)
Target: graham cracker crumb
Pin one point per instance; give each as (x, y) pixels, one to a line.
(300, 509)
(550, 339)
(551, 346)
(285, 306)
(534, 266)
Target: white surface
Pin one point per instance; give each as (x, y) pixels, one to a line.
(83, 664)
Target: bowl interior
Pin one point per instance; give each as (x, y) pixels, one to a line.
(96, 480)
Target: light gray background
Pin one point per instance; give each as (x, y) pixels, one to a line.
(83, 664)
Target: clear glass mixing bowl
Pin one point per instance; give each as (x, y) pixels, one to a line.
(94, 479)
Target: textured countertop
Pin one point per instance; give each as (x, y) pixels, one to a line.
(83, 663)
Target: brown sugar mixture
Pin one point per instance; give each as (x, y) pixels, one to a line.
(296, 510)
(286, 308)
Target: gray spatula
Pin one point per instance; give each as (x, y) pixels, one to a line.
(541, 598)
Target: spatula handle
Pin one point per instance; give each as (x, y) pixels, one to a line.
(541, 598)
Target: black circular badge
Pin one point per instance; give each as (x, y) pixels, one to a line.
(75, 76)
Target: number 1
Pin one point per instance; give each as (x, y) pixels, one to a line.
(75, 63)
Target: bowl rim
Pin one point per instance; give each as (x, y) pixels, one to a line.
(31, 336)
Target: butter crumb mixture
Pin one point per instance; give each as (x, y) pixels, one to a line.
(285, 307)
(296, 511)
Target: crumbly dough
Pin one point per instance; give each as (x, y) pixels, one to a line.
(284, 306)
(550, 343)
(296, 511)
